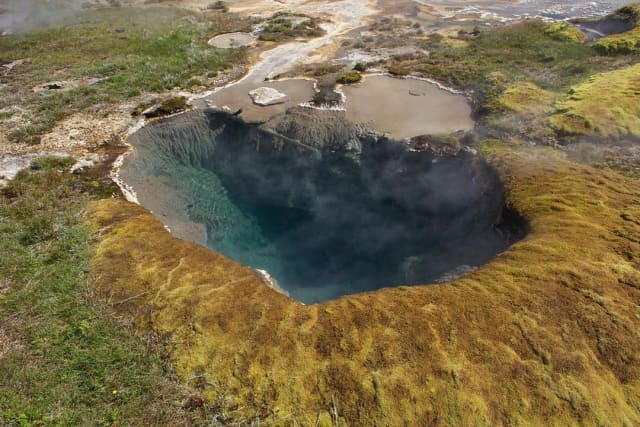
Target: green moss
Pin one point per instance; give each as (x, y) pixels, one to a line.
(399, 71)
(65, 358)
(285, 26)
(323, 70)
(525, 51)
(46, 163)
(350, 77)
(525, 97)
(218, 5)
(564, 31)
(623, 43)
(522, 325)
(607, 105)
(520, 112)
(168, 106)
(360, 67)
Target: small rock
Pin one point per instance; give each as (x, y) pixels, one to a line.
(265, 96)
(194, 402)
(57, 85)
(81, 164)
(151, 111)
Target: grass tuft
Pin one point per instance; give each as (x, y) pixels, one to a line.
(109, 56)
(285, 26)
(65, 359)
(350, 77)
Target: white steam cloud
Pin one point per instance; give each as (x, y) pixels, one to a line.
(16, 15)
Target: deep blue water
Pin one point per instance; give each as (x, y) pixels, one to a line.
(325, 222)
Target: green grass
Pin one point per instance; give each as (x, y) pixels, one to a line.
(4, 115)
(531, 51)
(525, 51)
(284, 26)
(350, 77)
(64, 358)
(132, 51)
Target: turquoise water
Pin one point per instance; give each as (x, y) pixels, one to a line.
(324, 222)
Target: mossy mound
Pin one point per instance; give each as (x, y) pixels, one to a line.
(284, 26)
(626, 42)
(607, 105)
(564, 31)
(525, 97)
(546, 334)
(167, 107)
(521, 111)
(349, 77)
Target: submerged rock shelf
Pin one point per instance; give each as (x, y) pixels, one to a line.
(323, 207)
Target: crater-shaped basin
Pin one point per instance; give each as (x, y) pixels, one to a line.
(325, 209)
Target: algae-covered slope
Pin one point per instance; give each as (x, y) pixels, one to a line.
(520, 74)
(546, 334)
(607, 105)
(627, 41)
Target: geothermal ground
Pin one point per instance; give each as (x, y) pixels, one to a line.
(332, 213)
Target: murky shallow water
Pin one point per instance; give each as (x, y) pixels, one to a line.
(233, 40)
(403, 108)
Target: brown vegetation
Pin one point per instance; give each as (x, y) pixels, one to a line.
(546, 334)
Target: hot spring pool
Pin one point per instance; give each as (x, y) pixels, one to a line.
(325, 209)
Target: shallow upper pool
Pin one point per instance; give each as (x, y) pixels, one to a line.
(233, 40)
(406, 107)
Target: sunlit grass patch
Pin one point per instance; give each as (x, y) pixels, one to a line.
(65, 358)
(125, 52)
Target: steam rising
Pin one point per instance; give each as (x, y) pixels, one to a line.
(22, 15)
(326, 210)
